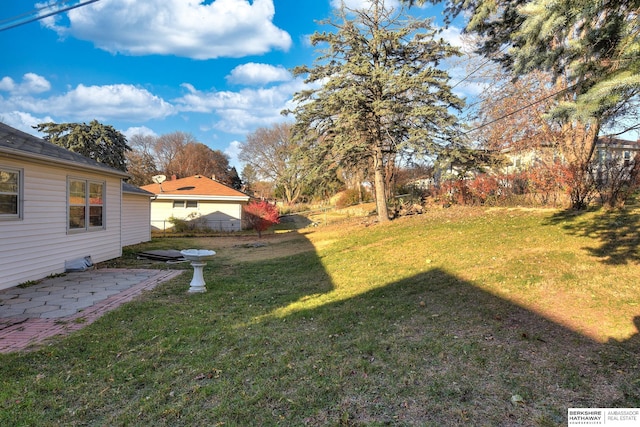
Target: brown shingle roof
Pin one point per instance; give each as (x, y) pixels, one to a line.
(196, 185)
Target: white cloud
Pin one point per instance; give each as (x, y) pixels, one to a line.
(453, 35)
(193, 29)
(257, 74)
(31, 83)
(139, 130)
(362, 4)
(109, 102)
(242, 111)
(233, 150)
(23, 121)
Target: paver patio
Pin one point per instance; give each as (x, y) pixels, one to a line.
(60, 305)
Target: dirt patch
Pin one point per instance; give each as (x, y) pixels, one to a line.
(252, 248)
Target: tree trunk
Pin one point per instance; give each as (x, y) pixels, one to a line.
(379, 186)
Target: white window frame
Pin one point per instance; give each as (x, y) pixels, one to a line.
(184, 204)
(19, 194)
(87, 205)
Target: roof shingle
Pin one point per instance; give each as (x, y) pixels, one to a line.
(196, 185)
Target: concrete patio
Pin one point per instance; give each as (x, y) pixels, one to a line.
(59, 305)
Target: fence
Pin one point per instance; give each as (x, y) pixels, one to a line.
(199, 224)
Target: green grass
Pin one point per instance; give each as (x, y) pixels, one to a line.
(438, 319)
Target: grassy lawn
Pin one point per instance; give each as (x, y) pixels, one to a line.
(459, 316)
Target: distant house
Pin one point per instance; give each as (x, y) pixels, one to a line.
(614, 157)
(57, 206)
(197, 200)
(609, 152)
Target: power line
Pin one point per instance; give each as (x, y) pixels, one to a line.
(517, 110)
(478, 68)
(28, 17)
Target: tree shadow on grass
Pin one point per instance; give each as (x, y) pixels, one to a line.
(431, 349)
(437, 350)
(617, 231)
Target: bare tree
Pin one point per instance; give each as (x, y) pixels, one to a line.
(273, 155)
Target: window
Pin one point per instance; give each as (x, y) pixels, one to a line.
(86, 205)
(181, 204)
(627, 158)
(602, 155)
(10, 191)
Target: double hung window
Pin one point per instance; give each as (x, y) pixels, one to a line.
(86, 205)
(10, 193)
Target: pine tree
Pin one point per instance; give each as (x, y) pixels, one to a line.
(102, 143)
(381, 92)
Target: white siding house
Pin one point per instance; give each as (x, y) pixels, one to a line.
(55, 206)
(198, 200)
(136, 215)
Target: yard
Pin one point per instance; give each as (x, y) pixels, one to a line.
(460, 316)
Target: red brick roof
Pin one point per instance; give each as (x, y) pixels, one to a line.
(196, 185)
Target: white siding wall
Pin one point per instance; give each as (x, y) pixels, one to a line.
(214, 212)
(136, 219)
(38, 244)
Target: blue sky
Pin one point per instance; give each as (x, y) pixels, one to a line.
(216, 69)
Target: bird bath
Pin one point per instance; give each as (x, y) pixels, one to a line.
(197, 262)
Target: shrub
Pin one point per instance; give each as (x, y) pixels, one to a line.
(350, 197)
(193, 222)
(260, 215)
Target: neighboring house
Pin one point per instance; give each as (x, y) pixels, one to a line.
(609, 152)
(614, 158)
(57, 206)
(199, 200)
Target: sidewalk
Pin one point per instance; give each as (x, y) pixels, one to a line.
(57, 306)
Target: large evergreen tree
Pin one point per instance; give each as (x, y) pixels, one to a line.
(102, 143)
(594, 45)
(379, 91)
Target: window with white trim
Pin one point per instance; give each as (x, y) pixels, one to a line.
(10, 193)
(182, 204)
(86, 205)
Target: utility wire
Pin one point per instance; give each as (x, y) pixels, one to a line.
(517, 110)
(478, 68)
(11, 22)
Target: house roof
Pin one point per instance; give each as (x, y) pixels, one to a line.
(195, 187)
(17, 144)
(132, 189)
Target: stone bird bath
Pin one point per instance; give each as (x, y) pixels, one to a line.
(196, 256)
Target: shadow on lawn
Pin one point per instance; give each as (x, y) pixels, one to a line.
(431, 349)
(618, 233)
(435, 350)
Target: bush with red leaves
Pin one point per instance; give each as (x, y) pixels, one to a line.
(260, 215)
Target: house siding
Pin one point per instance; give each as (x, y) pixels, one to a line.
(136, 217)
(218, 215)
(37, 245)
